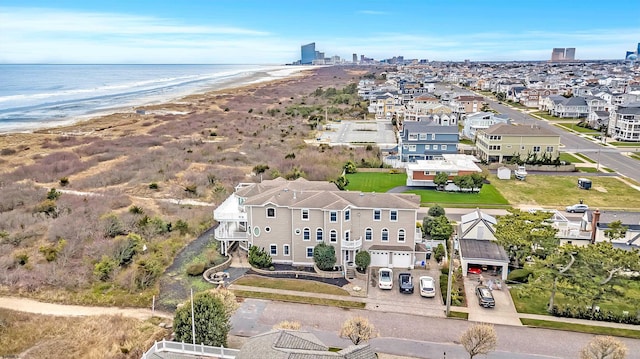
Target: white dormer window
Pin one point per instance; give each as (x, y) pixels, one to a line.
(413, 137)
(305, 214)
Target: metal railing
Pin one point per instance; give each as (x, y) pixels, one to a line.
(197, 349)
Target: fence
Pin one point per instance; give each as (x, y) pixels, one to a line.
(166, 346)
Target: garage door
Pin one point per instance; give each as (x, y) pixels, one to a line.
(401, 259)
(379, 258)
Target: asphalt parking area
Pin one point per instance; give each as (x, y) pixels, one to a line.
(503, 313)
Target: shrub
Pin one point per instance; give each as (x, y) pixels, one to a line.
(22, 258)
(103, 269)
(258, 257)
(519, 275)
(53, 194)
(438, 253)
(324, 256)
(64, 181)
(363, 259)
(153, 185)
(195, 269)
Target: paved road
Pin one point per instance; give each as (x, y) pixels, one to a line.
(606, 156)
(411, 335)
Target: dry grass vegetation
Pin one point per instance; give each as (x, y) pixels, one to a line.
(41, 336)
(105, 235)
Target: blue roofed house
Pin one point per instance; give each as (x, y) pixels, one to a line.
(427, 141)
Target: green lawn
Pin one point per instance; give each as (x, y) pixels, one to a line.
(488, 196)
(560, 191)
(466, 141)
(587, 169)
(547, 116)
(375, 181)
(584, 157)
(635, 156)
(291, 284)
(581, 328)
(575, 127)
(299, 299)
(625, 144)
(567, 157)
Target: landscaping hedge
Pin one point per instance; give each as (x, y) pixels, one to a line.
(584, 312)
(519, 276)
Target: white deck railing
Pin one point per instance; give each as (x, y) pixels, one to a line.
(351, 245)
(197, 349)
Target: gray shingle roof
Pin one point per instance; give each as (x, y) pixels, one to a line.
(482, 249)
(427, 127)
(520, 130)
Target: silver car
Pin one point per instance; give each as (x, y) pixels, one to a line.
(577, 208)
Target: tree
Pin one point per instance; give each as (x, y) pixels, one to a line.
(358, 330)
(441, 229)
(478, 180)
(501, 96)
(53, 194)
(604, 347)
(485, 107)
(341, 182)
(363, 259)
(350, 167)
(520, 233)
(615, 230)
(479, 339)
(436, 211)
(211, 319)
(441, 179)
(324, 256)
(258, 257)
(261, 168)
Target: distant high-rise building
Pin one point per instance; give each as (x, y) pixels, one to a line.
(557, 54)
(308, 53)
(570, 53)
(355, 58)
(319, 55)
(638, 50)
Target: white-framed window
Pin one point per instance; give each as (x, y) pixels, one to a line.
(385, 235)
(393, 215)
(412, 148)
(433, 136)
(285, 250)
(536, 149)
(319, 235)
(435, 147)
(309, 252)
(267, 229)
(305, 214)
(368, 234)
(256, 231)
(377, 214)
(426, 147)
(271, 212)
(273, 249)
(297, 231)
(333, 216)
(413, 137)
(306, 234)
(347, 215)
(347, 235)
(401, 235)
(443, 147)
(333, 236)
(423, 136)
(549, 148)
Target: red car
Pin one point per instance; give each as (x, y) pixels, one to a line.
(474, 270)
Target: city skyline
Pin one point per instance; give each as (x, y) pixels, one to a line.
(35, 31)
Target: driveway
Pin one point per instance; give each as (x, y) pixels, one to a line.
(503, 313)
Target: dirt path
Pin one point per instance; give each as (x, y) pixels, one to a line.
(33, 306)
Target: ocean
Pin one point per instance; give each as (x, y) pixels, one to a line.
(42, 96)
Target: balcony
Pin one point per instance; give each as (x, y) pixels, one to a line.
(351, 245)
(230, 234)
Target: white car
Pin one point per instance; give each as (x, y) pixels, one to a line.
(427, 287)
(385, 278)
(577, 208)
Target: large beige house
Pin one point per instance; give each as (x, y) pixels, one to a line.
(502, 142)
(289, 218)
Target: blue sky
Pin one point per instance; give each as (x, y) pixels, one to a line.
(271, 31)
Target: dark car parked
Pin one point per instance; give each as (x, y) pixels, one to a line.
(406, 283)
(485, 297)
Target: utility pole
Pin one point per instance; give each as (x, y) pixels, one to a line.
(449, 279)
(193, 323)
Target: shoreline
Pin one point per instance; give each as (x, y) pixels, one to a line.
(240, 80)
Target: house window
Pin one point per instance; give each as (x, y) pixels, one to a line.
(267, 229)
(443, 147)
(347, 236)
(413, 137)
(319, 234)
(273, 249)
(333, 236)
(271, 213)
(433, 136)
(368, 234)
(423, 136)
(347, 215)
(426, 147)
(377, 214)
(385, 235)
(333, 216)
(412, 148)
(549, 148)
(305, 214)
(536, 149)
(285, 249)
(522, 148)
(435, 147)
(401, 235)
(306, 234)
(256, 231)
(393, 215)
(309, 252)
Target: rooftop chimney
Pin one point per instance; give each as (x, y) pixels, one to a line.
(594, 225)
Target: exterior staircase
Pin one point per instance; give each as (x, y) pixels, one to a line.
(350, 272)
